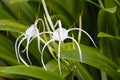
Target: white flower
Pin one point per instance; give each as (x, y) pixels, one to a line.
(31, 33)
(60, 34)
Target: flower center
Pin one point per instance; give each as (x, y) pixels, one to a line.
(31, 31)
(60, 34)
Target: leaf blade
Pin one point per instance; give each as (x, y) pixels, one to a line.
(31, 71)
(94, 58)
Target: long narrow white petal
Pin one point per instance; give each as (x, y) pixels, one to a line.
(80, 53)
(59, 57)
(28, 42)
(16, 51)
(46, 32)
(32, 39)
(39, 19)
(50, 48)
(26, 48)
(39, 38)
(19, 51)
(58, 22)
(85, 33)
(42, 53)
(49, 32)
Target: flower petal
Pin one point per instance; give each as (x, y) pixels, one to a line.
(78, 47)
(16, 51)
(42, 53)
(28, 42)
(19, 51)
(85, 33)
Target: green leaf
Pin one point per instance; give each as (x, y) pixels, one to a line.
(92, 2)
(7, 58)
(106, 20)
(109, 23)
(9, 25)
(102, 34)
(4, 13)
(110, 10)
(82, 73)
(31, 71)
(94, 58)
(109, 3)
(18, 1)
(7, 52)
(55, 70)
(117, 1)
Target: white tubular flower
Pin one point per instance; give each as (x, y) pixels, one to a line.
(60, 34)
(31, 33)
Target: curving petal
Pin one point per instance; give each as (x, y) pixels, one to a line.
(43, 51)
(16, 51)
(39, 19)
(19, 51)
(85, 33)
(39, 38)
(26, 48)
(58, 22)
(46, 32)
(28, 42)
(79, 49)
(39, 44)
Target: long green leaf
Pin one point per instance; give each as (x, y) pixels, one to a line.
(7, 52)
(82, 73)
(92, 2)
(102, 34)
(110, 10)
(94, 58)
(7, 58)
(31, 71)
(55, 70)
(18, 1)
(9, 25)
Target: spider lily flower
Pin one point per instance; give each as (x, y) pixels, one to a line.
(31, 33)
(60, 34)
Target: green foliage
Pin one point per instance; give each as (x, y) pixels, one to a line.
(31, 71)
(101, 19)
(94, 58)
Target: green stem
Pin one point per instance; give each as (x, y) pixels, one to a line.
(103, 76)
(47, 15)
(80, 26)
(101, 3)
